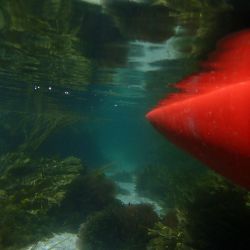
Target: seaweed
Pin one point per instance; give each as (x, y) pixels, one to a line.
(44, 195)
(165, 237)
(118, 227)
(172, 187)
(88, 193)
(206, 20)
(206, 211)
(219, 218)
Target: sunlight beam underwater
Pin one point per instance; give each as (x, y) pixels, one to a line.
(210, 116)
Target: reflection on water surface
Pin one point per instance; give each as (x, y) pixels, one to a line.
(89, 61)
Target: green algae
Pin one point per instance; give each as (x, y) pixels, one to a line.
(203, 210)
(44, 195)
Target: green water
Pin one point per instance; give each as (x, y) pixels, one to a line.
(76, 80)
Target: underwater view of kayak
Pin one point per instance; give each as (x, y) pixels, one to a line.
(81, 168)
(210, 115)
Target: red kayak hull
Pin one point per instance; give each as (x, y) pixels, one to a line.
(213, 124)
(214, 127)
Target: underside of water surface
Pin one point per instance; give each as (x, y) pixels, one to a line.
(81, 168)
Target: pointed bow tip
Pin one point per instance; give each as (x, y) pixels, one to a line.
(151, 116)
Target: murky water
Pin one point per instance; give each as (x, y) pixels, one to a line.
(77, 78)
